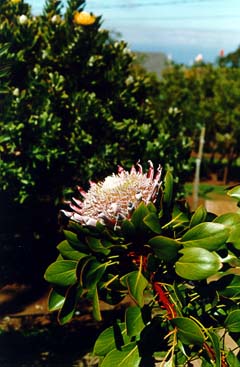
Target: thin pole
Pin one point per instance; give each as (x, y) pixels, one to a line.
(197, 170)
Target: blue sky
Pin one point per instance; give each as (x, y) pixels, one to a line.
(180, 28)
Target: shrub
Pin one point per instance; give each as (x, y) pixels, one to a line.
(75, 106)
(179, 270)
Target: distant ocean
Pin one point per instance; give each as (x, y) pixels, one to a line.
(181, 43)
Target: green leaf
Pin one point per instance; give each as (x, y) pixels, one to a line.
(228, 219)
(128, 229)
(234, 236)
(234, 192)
(188, 331)
(233, 360)
(232, 322)
(68, 309)
(134, 321)
(93, 273)
(96, 245)
(96, 306)
(128, 356)
(165, 248)
(231, 287)
(152, 222)
(62, 273)
(136, 284)
(199, 216)
(56, 299)
(108, 339)
(215, 340)
(197, 264)
(138, 215)
(68, 252)
(168, 189)
(208, 235)
(74, 241)
(71, 237)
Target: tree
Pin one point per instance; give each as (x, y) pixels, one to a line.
(76, 107)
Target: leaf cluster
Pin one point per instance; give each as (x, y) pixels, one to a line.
(180, 269)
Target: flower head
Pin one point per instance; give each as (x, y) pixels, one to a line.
(23, 19)
(83, 18)
(116, 197)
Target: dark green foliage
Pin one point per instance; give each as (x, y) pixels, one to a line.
(76, 106)
(203, 95)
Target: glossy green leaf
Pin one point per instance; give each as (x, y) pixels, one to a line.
(93, 273)
(71, 237)
(96, 305)
(68, 309)
(234, 236)
(62, 273)
(96, 245)
(232, 322)
(168, 188)
(134, 321)
(215, 341)
(232, 359)
(165, 248)
(138, 215)
(56, 299)
(228, 219)
(234, 192)
(208, 235)
(198, 216)
(69, 252)
(128, 356)
(74, 241)
(188, 331)
(152, 222)
(136, 284)
(108, 339)
(197, 263)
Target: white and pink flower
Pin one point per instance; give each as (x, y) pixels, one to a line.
(116, 197)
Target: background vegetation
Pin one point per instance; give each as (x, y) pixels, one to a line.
(76, 102)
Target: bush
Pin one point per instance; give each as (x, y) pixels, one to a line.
(178, 270)
(76, 105)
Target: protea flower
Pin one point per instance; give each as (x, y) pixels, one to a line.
(116, 197)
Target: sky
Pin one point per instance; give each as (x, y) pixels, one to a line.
(182, 29)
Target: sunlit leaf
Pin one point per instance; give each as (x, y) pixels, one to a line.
(69, 252)
(232, 322)
(56, 299)
(165, 248)
(208, 235)
(197, 263)
(188, 331)
(111, 338)
(136, 284)
(152, 222)
(199, 216)
(134, 321)
(68, 309)
(62, 273)
(128, 356)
